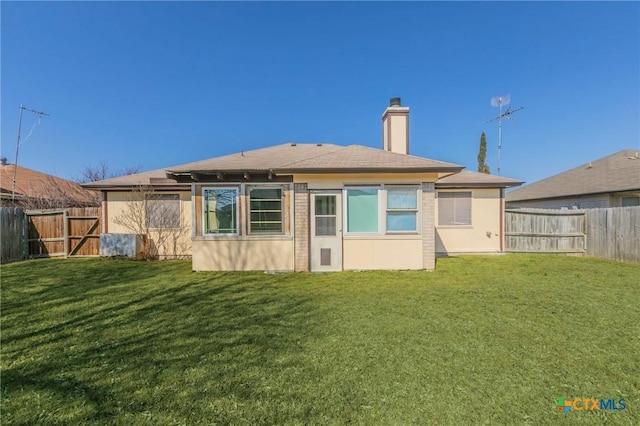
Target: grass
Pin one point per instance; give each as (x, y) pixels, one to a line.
(481, 340)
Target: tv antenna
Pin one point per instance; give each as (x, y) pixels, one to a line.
(500, 101)
(15, 166)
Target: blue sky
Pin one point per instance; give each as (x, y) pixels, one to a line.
(156, 84)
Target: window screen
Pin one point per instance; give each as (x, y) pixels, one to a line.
(325, 215)
(402, 209)
(163, 211)
(454, 208)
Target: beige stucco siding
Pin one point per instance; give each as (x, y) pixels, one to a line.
(117, 212)
(243, 254)
(483, 235)
(384, 252)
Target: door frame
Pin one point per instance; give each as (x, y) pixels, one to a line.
(316, 242)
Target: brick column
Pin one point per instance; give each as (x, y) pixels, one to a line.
(301, 229)
(428, 225)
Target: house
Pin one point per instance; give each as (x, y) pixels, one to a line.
(38, 190)
(612, 181)
(321, 207)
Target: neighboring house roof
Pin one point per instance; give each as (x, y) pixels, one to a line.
(31, 184)
(292, 158)
(615, 173)
(467, 179)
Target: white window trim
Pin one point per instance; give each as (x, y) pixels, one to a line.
(381, 218)
(418, 208)
(470, 225)
(238, 222)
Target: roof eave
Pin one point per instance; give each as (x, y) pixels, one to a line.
(478, 185)
(340, 170)
(129, 186)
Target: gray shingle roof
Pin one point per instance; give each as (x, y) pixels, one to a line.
(311, 158)
(156, 177)
(614, 173)
(318, 158)
(467, 178)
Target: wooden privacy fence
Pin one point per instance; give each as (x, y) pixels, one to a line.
(13, 234)
(612, 233)
(71, 232)
(547, 231)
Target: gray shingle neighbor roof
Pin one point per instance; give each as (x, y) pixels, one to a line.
(614, 173)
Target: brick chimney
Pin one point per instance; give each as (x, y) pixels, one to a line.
(395, 128)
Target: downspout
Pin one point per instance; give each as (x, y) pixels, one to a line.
(501, 220)
(105, 215)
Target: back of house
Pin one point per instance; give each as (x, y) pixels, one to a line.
(312, 207)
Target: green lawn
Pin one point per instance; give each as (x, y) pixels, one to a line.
(481, 340)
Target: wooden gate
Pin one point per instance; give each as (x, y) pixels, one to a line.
(72, 232)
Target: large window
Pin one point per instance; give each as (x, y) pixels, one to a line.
(220, 213)
(162, 211)
(402, 209)
(454, 208)
(265, 211)
(362, 210)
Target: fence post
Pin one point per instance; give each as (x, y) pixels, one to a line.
(65, 231)
(25, 235)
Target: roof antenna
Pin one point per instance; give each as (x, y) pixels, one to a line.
(498, 101)
(15, 166)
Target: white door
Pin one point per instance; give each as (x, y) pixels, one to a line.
(326, 231)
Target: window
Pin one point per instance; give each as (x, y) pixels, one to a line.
(325, 215)
(362, 210)
(220, 213)
(402, 209)
(454, 208)
(630, 201)
(163, 211)
(265, 211)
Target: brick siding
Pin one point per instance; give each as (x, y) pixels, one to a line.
(301, 229)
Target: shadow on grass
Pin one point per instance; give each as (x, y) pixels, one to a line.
(119, 341)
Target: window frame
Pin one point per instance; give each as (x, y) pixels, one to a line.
(250, 210)
(147, 218)
(456, 225)
(317, 216)
(625, 198)
(415, 210)
(237, 211)
(379, 222)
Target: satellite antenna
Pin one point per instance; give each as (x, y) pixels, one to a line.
(15, 166)
(500, 101)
